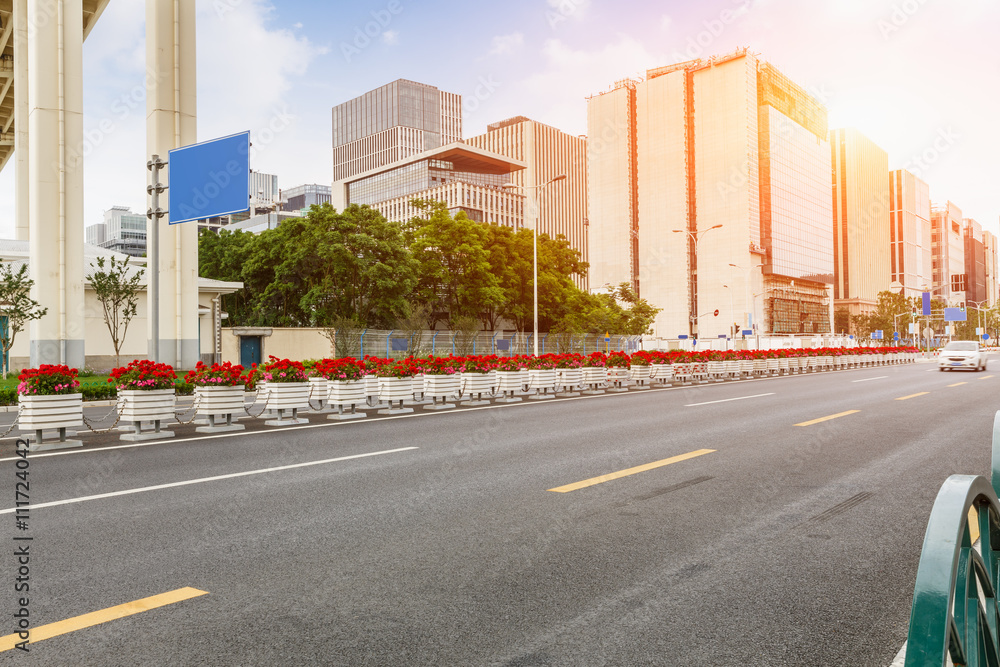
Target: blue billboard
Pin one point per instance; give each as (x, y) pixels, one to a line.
(210, 179)
(954, 315)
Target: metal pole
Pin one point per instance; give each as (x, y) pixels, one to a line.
(534, 266)
(153, 253)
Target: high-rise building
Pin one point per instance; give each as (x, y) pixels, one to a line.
(910, 232)
(992, 269)
(948, 247)
(701, 174)
(392, 123)
(861, 204)
(302, 197)
(264, 192)
(976, 271)
(559, 207)
(122, 231)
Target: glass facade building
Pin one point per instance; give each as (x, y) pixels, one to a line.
(392, 123)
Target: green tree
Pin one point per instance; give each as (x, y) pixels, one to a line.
(118, 292)
(18, 306)
(222, 256)
(454, 276)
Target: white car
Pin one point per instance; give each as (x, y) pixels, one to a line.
(962, 354)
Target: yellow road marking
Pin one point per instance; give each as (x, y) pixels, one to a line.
(827, 418)
(103, 616)
(986, 377)
(957, 384)
(631, 471)
(903, 398)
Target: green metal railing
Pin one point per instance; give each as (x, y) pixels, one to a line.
(954, 613)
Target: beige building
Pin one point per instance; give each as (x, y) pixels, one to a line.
(560, 207)
(709, 188)
(948, 248)
(980, 265)
(100, 351)
(910, 232)
(861, 239)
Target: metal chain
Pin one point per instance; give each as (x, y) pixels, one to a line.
(108, 429)
(19, 408)
(256, 395)
(312, 388)
(177, 415)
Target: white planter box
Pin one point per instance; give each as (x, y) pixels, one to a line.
(699, 369)
(371, 385)
(617, 375)
(784, 365)
(151, 405)
(395, 389)
(320, 388)
(593, 375)
(716, 368)
(442, 386)
(525, 377)
(347, 392)
(44, 412)
(219, 400)
(682, 371)
(732, 368)
(640, 373)
(747, 366)
(287, 395)
(477, 383)
(661, 372)
(772, 365)
(542, 379)
(569, 378)
(509, 381)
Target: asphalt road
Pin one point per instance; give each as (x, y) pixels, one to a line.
(442, 543)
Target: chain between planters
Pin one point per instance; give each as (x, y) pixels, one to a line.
(194, 406)
(19, 408)
(108, 429)
(256, 395)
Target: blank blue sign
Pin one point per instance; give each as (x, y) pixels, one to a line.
(399, 344)
(210, 179)
(503, 344)
(925, 303)
(954, 315)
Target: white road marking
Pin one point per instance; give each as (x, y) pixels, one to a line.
(880, 377)
(206, 479)
(726, 400)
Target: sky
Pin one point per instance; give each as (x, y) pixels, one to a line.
(921, 78)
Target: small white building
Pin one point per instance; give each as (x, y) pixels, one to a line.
(98, 346)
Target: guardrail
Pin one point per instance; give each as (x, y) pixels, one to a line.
(954, 614)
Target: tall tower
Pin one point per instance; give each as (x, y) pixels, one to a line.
(861, 239)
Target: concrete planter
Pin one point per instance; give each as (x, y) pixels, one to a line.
(287, 398)
(154, 405)
(347, 393)
(477, 384)
(716, 369)
(41, 413)
(594, 377)
(699, 371)
(391, 389)
(543, 381)
(682, 372)
(509, 382)
(747, 367)
(661, 373)
(618, 378)
(219, 401)
(732, 368)
(569, 379)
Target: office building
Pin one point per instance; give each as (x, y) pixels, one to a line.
(980, 265)
(948, 248)
(861, 238)
(709, 188)
(264, 192)
(910, 232)
(392, 123)
(464, 177)
(122, 231)
(263, 221)
(303, 197)
(559, 207)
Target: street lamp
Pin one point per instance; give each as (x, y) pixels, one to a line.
(534, 263)
(732, 313)
(694, 237)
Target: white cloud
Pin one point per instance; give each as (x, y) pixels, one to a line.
(506, 44)
(576, 9)
(390, 37)
(665, 22)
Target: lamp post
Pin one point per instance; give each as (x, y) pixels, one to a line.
(979, 310)
(732, 313)
(694, 237)
(534, 263)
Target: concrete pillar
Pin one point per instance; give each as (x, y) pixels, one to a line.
(171, 116)
(55, 183)
(20, 36)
